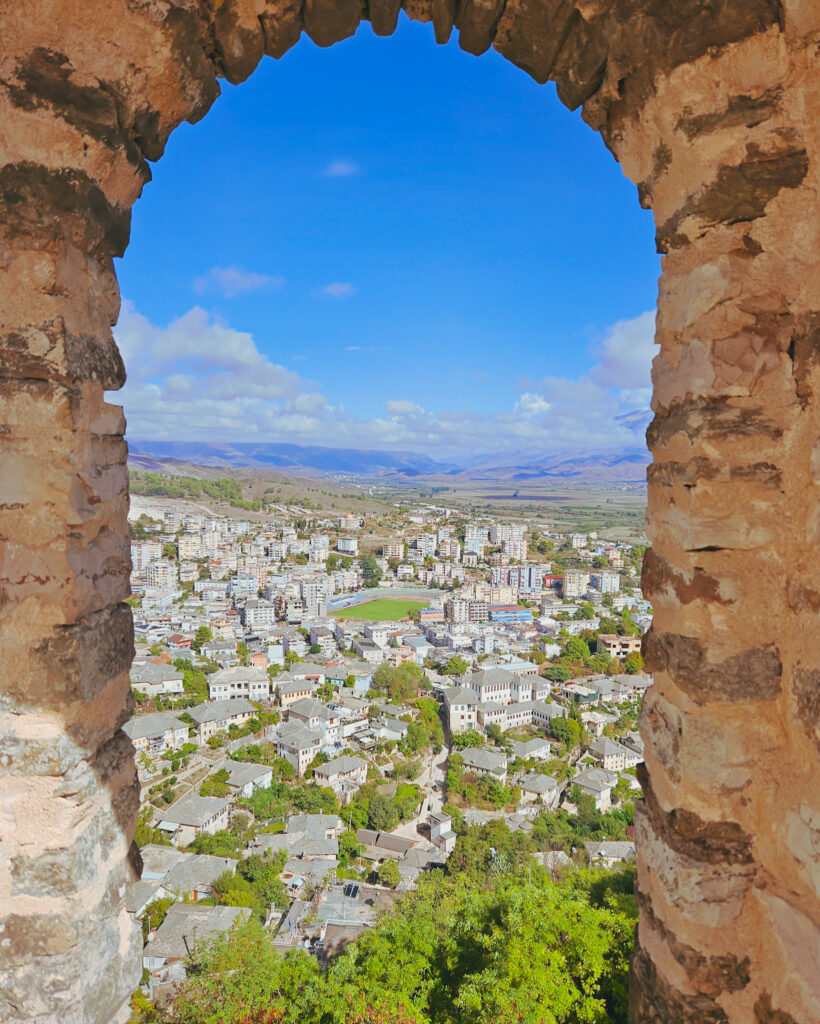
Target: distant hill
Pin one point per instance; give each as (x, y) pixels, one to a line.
(626, 466)
(295, 459)
(611, 467)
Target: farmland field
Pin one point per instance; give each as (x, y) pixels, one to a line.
(381, 610)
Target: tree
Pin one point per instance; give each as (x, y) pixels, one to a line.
(382, 815)
(400, 683)
(566, 731)
(371, 573)
(575, 649)
(495, 734)
(202, 635)
(239, 977)
(389, 873)
(154, 914)
(242, 651)
(455, 666)
(558, 673)
(633, 663)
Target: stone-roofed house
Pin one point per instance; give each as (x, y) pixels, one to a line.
(195, 874)
(345, 775)
(245, 777)
(610, 852)
(157, 680)
(441, 831)
(289, 690)
(139, 894)
(485, 762)
(240, 681)
(536, 787)
(316, 826)
(298, 744)
(318, 717)
(157, 860)
(185, 926)
(634, 741)
(156, 733)
(598, 783)
(596, 721)
(613, 756)
(378, 845)
(387, 728)
(193, 814)
(538, 748)
(218, 715)
(462, 709)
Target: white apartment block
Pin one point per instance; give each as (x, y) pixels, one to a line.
(143, 552)
(576, 583)
(514, 548)
(500, 532)
(190, 546)
(161, 573)
(348, 545)
(606, 582)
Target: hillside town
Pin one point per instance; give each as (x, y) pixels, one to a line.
(325, 706)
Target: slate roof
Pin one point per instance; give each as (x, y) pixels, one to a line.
(345, 763)
(142, 726)
(153, 673)
(484, 760)
(194, 810)
(175, 936)
(140, 894)
(158, 860)
(241, 773)
(595, 778)
(315, 825)
(298, 736)
(529, 747)
(196, 870)
(535, 783)
(612, 848)
(221, 710)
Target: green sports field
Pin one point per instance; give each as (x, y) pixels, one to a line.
(381, 610)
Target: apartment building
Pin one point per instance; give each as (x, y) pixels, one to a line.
(575, 584)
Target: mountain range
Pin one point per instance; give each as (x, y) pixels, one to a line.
(625, 466)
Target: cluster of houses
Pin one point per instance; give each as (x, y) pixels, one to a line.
(266, 593)
(323, 912)
(511, 699)
(274, 589)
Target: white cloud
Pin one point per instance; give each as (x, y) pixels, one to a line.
(626, 354)
(400, 407)
(531, 405)
(339, 290)
(340, 169)
(198, 378)
(233, 281)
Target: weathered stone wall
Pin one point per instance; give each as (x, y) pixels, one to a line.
(712, 107)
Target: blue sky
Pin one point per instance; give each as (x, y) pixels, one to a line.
(389, 244)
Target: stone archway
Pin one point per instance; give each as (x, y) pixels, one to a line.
(711, 107)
